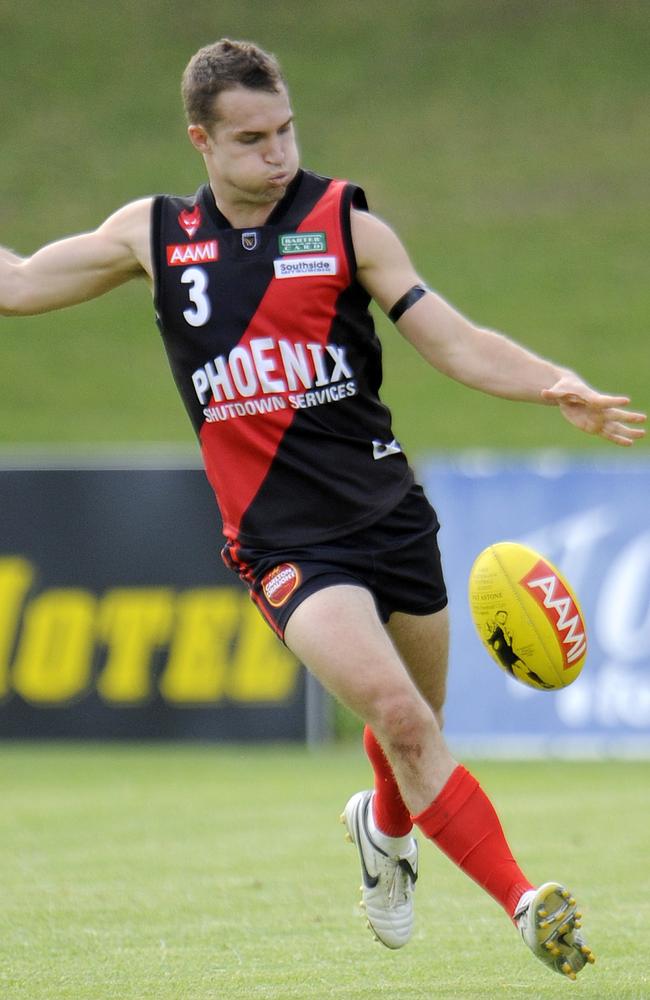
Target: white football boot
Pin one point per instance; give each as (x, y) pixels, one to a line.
(548, 922)
(388, 882)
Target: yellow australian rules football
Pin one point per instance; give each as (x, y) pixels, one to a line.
(527, 616)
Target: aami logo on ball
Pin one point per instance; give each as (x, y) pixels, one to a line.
(560, 609)
(280, 583)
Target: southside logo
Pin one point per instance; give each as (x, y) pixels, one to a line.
(280, 583)
(304, 267)
(559, 607)
(192, 253)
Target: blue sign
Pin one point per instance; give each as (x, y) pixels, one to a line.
(592, 519)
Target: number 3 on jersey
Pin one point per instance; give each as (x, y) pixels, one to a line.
(199, 312)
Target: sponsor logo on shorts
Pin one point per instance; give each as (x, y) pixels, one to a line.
(192, 253)
(304, 267)
(190, 220)
(302, 243)
(279, 584)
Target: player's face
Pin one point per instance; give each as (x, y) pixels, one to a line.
(251, 151)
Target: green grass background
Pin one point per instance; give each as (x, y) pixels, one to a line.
(506, 140)
(203, 873)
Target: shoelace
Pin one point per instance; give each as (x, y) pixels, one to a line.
(400, 878)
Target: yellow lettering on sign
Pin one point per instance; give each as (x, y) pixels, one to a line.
(263, 669)
(216, 644)
(54, 658)
(200, 650)
(15, 579)
(132, 622)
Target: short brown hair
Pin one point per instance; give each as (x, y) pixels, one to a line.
(221, 66)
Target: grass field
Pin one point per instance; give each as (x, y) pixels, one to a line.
(506, 141)
(178, 873)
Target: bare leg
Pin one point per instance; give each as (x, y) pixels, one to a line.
(337, 633)
(396, 684)
(423, 644)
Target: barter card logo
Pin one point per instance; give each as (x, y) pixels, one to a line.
(289, 243)
(190, 221)
(279, 584)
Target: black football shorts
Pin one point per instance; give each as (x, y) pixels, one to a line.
(397, 559)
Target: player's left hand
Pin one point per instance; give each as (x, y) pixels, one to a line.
(594, 412)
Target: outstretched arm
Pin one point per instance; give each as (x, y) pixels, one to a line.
(80, 267)
(480, 358)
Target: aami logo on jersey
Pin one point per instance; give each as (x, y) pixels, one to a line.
(190, 221)
(559, 607)
(192, 253)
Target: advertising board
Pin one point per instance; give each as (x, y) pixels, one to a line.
(591, 517)
(119, 619)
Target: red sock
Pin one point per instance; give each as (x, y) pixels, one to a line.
(462, 821)
(391, 815)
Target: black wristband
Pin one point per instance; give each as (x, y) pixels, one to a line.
(407, 300)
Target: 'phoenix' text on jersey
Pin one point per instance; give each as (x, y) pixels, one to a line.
(265, 365)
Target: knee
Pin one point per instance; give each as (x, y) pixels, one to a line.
(403, 720)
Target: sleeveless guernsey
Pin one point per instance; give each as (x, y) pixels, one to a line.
(277, 361)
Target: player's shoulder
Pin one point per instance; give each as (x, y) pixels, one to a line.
(173, 200)
(128, 230)
(351, 193)
(130, 217)
(370, 233)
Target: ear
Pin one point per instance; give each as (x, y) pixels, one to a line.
(199, 138)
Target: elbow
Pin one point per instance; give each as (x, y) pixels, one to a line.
(13, 298)
(10, 310)
(8, 307)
